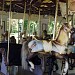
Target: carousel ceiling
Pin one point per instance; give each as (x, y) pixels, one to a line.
(47, 7)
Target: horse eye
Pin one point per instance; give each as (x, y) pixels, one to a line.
(34, 43)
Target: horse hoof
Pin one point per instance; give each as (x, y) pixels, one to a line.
(63, 72)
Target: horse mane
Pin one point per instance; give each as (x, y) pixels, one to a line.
(61, 28)
(62, 37)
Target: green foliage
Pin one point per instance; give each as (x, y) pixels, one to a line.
(33, 27)
(50, 27)
(25, 24)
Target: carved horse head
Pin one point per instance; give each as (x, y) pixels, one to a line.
(62, 38)
(66, 26)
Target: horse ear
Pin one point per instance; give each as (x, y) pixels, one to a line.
(64, 25)
(67, 25)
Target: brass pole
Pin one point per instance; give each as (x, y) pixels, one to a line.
(55, 25)
(72, 20)
(23, 22)
(29, 17)
(49, 21)
(39, 26)
(67, 11)
(9, 31)
(24, 16)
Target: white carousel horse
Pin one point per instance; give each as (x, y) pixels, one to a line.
(58, 45)
(3, 63)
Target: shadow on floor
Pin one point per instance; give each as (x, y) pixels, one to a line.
(1, 73)
(59, 74)
(25, 72)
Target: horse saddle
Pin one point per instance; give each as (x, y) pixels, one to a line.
(47, 46)
(58, 48)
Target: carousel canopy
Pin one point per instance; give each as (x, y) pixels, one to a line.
(47, 7)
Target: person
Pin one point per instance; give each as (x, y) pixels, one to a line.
(2, 38)
(72, 40)
(71, 46)
(4, 61)
(45, 35)
(35, 35)
(12, 39)
(22, 39)
(5, 37)
(73, 35)
(54, 61)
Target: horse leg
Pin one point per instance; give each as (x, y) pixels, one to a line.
(51, 61)
(66, 66)
(50, 65)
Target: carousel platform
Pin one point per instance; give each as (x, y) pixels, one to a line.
(71, 71)
(55, 73)
(25, 72)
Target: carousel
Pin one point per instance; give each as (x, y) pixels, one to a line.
(26, 20)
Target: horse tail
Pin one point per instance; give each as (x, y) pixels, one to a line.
(24, 56)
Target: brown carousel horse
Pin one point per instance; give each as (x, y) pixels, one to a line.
(57, 47)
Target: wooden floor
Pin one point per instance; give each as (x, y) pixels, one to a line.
(25, 72)
(29, 73)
